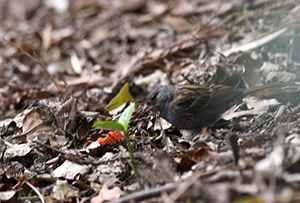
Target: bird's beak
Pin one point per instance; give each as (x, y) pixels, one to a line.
(147, 108)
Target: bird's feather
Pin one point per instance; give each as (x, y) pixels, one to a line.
(192, 98)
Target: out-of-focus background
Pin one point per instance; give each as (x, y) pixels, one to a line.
(91, 48)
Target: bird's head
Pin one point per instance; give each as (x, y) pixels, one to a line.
(159, 98)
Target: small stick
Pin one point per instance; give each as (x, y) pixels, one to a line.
(36, 60)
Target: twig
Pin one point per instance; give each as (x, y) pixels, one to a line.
(36, 60)
(6, 143)
(184, 187)
(36, 191)
(146, 194)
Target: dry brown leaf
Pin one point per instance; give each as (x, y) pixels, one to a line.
(33, 123)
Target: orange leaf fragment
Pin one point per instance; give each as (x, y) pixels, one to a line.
(88, 144)
(111, 138)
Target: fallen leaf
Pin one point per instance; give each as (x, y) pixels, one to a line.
(19, 150)
(262, 40)
(62, 189)
(70, 170)
(76, 65)
(34, 123)
(111, 138)
(256, 106)
(7, 195)
(106, 194)
(122, 97)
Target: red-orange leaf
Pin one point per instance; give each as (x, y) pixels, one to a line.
(111, 138)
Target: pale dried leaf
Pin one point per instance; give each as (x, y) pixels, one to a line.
(19, 150)
(257, 106)
(107, 194)
(162, 124)
(70, 170)
(75, 62)
(156, 79)
(59, 6)
(272, 164)
(7, 195)
(255, 43)
(33, 123)
(47, 37)
(281, 76)
(62, 189)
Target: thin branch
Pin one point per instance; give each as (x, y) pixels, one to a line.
(36, 191)
(146, 194)
(36, 60)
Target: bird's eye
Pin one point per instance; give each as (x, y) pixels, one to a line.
(153, 97)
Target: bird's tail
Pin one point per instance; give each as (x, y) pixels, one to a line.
(274, 90)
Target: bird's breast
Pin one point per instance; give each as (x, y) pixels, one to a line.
(189, 120)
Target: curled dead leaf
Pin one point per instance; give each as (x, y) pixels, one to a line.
(111, 138)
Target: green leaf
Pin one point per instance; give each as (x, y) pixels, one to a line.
(109, 125)
(121, 98)
(122, 123)
(125, 116)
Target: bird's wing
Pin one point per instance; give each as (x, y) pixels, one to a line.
(192, 98)
(222, 94)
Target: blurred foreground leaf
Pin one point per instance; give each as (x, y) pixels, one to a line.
(109, 125)
(122, 97)
(122, 123)
(125, 117)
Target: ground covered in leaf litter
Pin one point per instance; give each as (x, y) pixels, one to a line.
(50, 153)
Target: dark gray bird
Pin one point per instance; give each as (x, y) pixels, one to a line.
(193, 107)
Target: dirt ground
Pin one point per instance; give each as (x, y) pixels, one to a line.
(62, 63)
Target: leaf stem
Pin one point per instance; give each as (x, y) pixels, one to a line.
(131, 160)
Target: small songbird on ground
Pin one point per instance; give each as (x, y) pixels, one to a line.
(193, 107)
